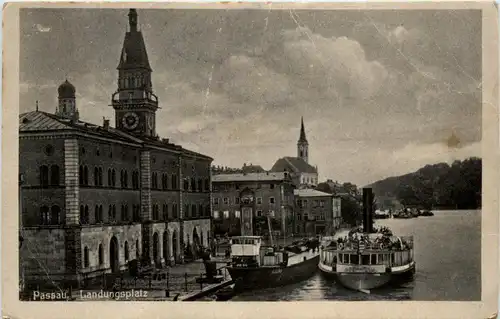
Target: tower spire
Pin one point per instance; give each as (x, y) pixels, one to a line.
(302, 137)
(132, 20)
(302, 144)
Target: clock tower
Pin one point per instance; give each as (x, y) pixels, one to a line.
(134, 102)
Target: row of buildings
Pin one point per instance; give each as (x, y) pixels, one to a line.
(94, 197)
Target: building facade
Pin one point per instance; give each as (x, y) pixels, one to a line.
(94, 197)
(316, 213)
(259, 195)
(303, 174)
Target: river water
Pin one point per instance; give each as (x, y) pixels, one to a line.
(448, 256)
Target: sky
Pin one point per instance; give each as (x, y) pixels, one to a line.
(381, 92)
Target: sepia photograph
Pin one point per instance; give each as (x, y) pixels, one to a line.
(253, 154)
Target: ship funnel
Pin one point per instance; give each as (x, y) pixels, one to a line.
(368, 210)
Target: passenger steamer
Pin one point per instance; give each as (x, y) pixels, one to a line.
(255, 265)
(367, 258)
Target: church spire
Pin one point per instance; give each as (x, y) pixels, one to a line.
(302, 137)
(302, 144)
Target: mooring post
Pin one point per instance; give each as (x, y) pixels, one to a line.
(186, 281)
(201, 281)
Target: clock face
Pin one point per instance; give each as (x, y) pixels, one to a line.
(130, 121)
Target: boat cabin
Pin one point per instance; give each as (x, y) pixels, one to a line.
(247, 251)
(369, 255)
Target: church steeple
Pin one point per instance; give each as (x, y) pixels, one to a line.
(302, 144)
(134, 102)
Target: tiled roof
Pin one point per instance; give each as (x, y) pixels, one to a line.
(250, 177)
(37, 121)
(296, 164)
(310, 193)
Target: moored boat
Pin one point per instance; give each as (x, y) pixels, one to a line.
(367, 258)
(254, 265)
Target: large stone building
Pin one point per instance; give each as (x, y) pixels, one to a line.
(316, 212)
(95, 197)
(303, 174)
(253, 196)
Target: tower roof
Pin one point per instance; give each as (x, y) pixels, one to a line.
(66, 90)
(302, 137)
(134, 54)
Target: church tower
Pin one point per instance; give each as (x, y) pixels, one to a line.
(67, 102)
(134, 102)
(302, 144)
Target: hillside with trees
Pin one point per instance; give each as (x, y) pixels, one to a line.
(438, 186)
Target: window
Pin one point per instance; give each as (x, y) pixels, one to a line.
(164, 181)
(194, 213)
(216, 201)
(186, 184)
(259, 213)
(137, 213)
(85, 175)
(126, 217)
(49, 150)
(200, 185)
(135, 180)
(271, 186)
(96, 176)
(101, 255)
(54, 215)
(321, 203)
(80, 175)
(54, 175)
(155, 212)
(154, 180)
(84, 214)
(271, 200)
(44, 175)
(96, 214)
(109, 177)
(44, 216)
(113, 177)
(186, 211)
(226, 214)
(165, 212)
(225, 200)
(207, 184)
(304, 203)
(321, 215)
(237, 200)
(174, 181)
(193, 184)
(259, 200)
(271, 213)
(207, 210)
(201, 212)
(237, 214)
(175, 211)
(114, 212)
(216, 214)
(126, 251)
(85, 257)
(125, 179)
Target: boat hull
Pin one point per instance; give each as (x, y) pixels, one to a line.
(268, 277)
(366, 281)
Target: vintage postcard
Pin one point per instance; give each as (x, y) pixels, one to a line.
(267, 160)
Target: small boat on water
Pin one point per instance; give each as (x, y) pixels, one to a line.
(367, 258)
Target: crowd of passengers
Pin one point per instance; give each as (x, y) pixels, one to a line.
(387, 241)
